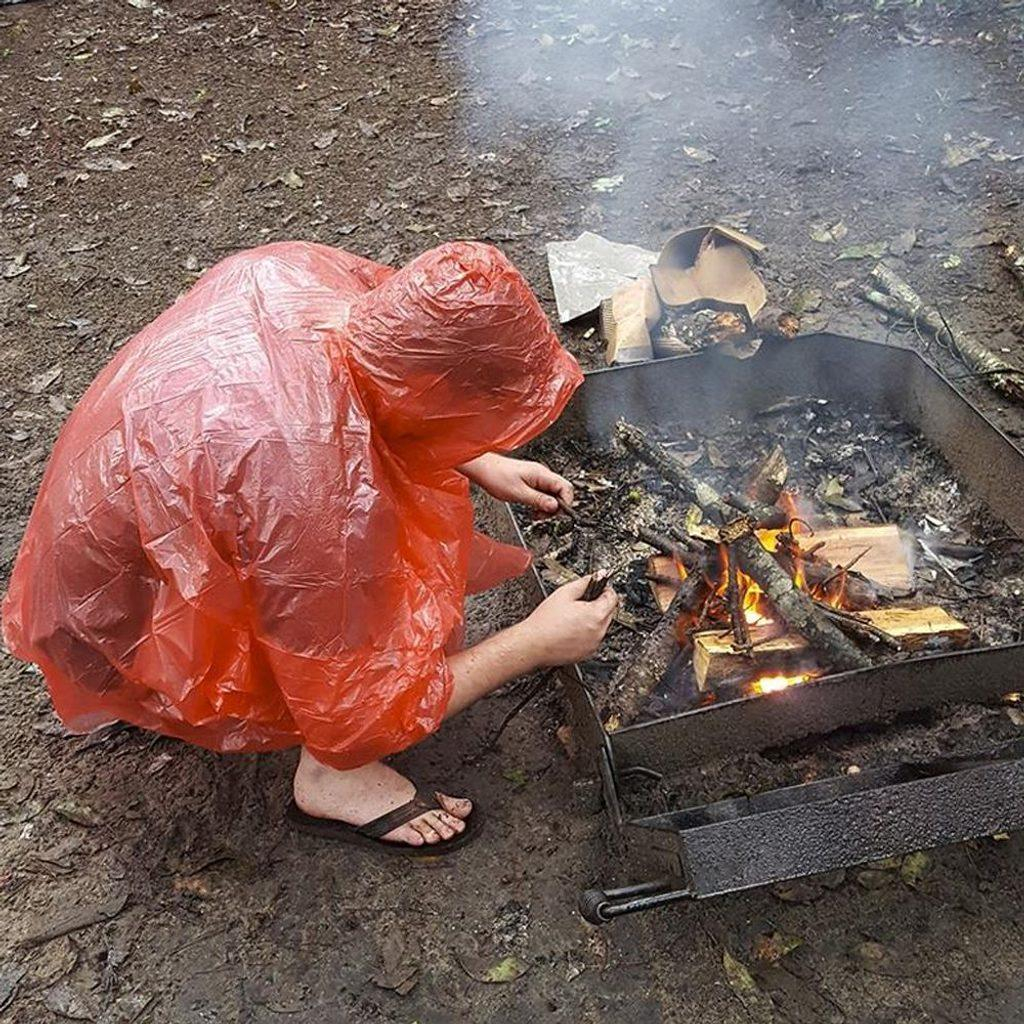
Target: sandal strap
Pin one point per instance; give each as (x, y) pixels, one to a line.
(423, 801)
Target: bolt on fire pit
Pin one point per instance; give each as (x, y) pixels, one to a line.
(698, 848)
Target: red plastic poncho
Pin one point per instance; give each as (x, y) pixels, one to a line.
(250, 533)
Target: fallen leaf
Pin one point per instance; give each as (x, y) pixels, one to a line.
(771, 948)
(952, 261)
(399, 963)
(101, 140)
(957, 155)
(903, 242)
(325, 139)
(499, 972)
(77, 813)
(292, 179)
(609, 184)
(824, 232)
(25, 130)
(869, 952)
(10, 978)
(807, 300)
(107, 163)
(142, 5)
(20, 180)
(17, 266)
(517, 776)
(914, 867)
(702, 156)
(41, 381)
(979, 240)
(742, 983)
(867, 250)
(69, 1002)
(871, 879)
(797, 892)
(440, 101)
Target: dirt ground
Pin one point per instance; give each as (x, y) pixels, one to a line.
(143, 142)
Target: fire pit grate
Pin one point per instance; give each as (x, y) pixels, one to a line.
(884, 382)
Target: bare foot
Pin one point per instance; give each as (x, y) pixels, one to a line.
(359, 795)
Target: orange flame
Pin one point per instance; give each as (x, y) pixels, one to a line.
(773, 684)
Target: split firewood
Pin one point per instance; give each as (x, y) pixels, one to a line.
(637, 677)
(768, 478)
(793, 606)
(716, 659)
(999, 374)
(885, 553)
(1015, 261)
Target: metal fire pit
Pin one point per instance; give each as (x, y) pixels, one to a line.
(840, 822)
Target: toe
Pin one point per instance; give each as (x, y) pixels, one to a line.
(455, 824)
(426, 830)
(405, 834)
(458, 806)
(440, 825)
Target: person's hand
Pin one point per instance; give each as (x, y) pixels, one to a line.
(563, 629)
(520, 481)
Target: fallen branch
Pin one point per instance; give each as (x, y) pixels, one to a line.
(793, 606)
(1006, 379)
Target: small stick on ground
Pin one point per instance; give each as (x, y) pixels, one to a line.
(1006, 379)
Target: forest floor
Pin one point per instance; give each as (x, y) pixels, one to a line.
(143, 142)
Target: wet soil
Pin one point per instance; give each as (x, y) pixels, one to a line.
(387, 128)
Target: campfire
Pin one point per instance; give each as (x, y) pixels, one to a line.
(761, 586)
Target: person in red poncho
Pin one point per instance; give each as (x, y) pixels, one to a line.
(255, 530)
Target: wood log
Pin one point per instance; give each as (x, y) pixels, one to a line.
(886, 560)
(794, 607)
(716, 659)
(999, 374)
(637, 677)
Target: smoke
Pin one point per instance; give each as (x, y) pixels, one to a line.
(640, 112)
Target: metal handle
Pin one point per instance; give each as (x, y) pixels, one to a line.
(599, 906)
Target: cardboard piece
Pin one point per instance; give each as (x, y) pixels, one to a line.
(710, 266)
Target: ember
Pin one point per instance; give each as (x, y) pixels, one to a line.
(773, 684)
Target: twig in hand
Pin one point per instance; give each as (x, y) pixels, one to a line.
(596, 586)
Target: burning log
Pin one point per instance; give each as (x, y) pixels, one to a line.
(1006, 379)
(716, 659)
(637, 677)
(794, 607)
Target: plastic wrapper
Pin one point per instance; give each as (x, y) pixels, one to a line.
(251, 533)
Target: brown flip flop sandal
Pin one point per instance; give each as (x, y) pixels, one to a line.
(369, 835)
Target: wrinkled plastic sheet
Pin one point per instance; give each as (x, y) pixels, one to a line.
(588, 269)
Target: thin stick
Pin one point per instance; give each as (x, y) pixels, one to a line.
(740, 632)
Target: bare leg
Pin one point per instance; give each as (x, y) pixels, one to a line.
(361, 794)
